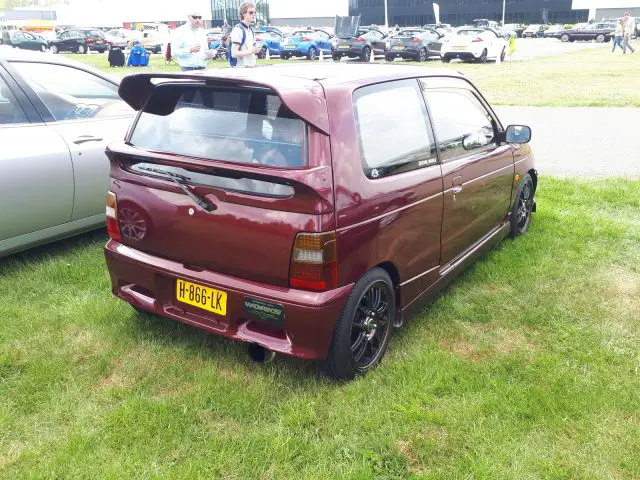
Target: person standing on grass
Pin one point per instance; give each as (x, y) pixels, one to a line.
(619, 33)
(629, 30)
(243, 51)
(189, 45)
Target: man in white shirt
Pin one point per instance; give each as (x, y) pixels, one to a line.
(244, 52)
(189, 44)
(629, 30)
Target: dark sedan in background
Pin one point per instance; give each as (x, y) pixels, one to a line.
(80, 40)
(415, 43)
(600, 32)
(366, 42)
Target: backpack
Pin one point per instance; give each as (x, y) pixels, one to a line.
(116, 57)
(138, 57)
(234, 61)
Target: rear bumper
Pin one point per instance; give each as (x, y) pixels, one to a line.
(461, 55)
(347, 52)
(148, 282)
(407, 53)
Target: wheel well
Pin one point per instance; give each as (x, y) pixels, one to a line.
(392, 271)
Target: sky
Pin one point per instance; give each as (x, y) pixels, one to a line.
(307, 8)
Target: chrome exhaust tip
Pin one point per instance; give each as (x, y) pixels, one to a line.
(259, 354)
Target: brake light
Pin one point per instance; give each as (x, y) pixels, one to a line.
(113, 226)
(359, 39)
(477, 39)
(258, 39)
(306, 39)
(415, 40)
(314, 262)
(88, 40)
(214, 39)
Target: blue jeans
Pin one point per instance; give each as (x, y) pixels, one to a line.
(617, 42)
(190, 69)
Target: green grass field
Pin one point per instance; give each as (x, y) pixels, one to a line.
(587, 78)
(527, 367)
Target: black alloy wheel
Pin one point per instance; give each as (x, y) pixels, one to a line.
(483, 57)
(564, 37)
(366, 54)
(364, 329)
(422, 55)
(522, 207)
(313, 53)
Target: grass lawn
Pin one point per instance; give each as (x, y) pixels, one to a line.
(527, 367)
(587, 78)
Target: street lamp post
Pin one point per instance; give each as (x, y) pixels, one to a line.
(504, 7)
(386, 15)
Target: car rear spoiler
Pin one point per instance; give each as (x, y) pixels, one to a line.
(303, 97)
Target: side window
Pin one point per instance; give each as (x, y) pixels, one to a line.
(10, 111)
(393, 128)
(461, 122)
(71, 94)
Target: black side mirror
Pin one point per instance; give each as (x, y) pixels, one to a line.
(517, 134)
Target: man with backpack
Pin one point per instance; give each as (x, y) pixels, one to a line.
(243, 51)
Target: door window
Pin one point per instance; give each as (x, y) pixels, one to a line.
(72, 94)
(393, 128)
(10, 111)
(461, 122)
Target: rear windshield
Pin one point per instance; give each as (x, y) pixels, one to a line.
(228, 124)
(96, 33)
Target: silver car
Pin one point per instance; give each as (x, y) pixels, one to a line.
(56, 118)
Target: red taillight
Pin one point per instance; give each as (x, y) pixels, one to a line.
(359, 39)
(477, 39)
(258, 39)
(88, 40)
(314, 262)
(306, 39)
(415, 40)
(113, 227)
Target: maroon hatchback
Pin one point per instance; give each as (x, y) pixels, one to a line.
(308, 210)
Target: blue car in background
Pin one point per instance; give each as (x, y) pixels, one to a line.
(306, 43)
(271, 40)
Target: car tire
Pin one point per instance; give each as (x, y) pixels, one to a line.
(363, 331)
(263, 53)
(335, 58)
(54, 49)
(503, 55)
(446, 60)
(284, 57)
(483, 56)
(388, 58)
(423, 56)
(600, 38)
(565, 38)
(312, 54)
(366, 53)
(520, 217)
(43, 48)
(81, 49)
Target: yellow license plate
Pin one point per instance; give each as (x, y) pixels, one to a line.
(458, 48)
(343, 46)
(291, 46)
(398, 47)
(202, 297)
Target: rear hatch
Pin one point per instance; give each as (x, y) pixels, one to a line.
(236, 149)
(347, 27)
(405, 40)
(464, 38)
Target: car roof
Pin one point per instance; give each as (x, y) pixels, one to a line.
(9, 53)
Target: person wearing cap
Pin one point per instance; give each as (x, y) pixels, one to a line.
(189, 44)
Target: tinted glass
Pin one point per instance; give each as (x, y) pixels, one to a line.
(393, 128)
(457, 113)
(239, 126)
(70, 94)
(10, 111)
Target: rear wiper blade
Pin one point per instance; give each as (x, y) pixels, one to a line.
(180, 181)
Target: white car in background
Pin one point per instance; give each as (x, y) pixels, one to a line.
(474, 44)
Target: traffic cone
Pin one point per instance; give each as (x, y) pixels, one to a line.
(372, 58)
(88, 50)
(267, 55)
(321, 58)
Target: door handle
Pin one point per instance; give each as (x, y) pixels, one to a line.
(457, 184)
(86, 138)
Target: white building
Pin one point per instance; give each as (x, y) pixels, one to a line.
(599, 9)
(313, 13)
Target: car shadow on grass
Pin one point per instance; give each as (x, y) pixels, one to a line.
(60, 248)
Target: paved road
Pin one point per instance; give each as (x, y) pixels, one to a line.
(581, 142)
